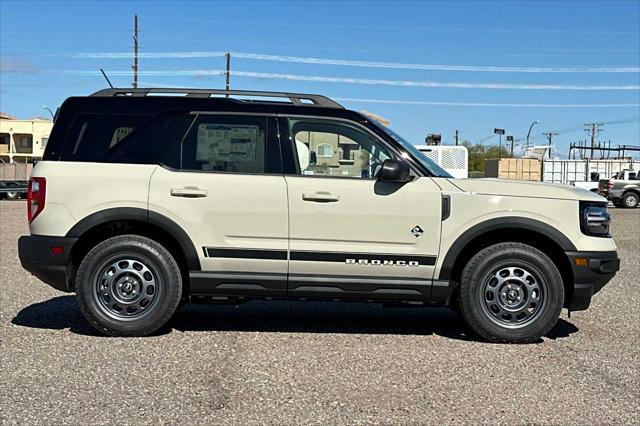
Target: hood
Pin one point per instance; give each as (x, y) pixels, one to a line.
(519, 188)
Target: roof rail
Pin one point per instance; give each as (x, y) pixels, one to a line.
(300, 99)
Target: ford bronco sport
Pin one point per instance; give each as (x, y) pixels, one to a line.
(149, 198)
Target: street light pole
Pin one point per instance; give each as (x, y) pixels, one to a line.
(499, 132)
(529, 133)
(50, 112)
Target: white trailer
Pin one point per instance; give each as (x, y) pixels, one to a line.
(14, 178)
(584, 173)
(453, 158)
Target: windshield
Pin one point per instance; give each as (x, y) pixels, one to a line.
(427, 163)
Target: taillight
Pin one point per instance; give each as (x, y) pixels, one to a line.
(36, 194)
(609, 184)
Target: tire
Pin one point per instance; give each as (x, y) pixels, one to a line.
(630, 200)
(128, 285)
(490, 286)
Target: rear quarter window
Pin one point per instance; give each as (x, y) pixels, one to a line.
(113, 138)
(91, 136)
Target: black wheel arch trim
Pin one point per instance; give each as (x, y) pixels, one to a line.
(141, 215)
(446, 271)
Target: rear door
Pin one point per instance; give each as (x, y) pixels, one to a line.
(222, 183)
(352, 235)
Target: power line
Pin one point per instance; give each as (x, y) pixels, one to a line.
(358, 63)
(401, 28)
(349, 80)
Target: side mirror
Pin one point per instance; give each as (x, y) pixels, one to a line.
(395, 171)
(313, 158)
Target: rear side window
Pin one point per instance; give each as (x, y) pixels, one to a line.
(225, 143)
(92, 135)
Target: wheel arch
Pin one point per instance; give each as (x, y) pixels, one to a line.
(538, 234)
(124, 220)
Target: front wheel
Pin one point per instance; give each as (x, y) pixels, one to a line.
(630, 200)
(511, 292)
(128, 286)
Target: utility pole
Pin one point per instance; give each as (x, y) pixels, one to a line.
(457, 137)
(228, 72)
(592, 129)
(135, 51)
(549, 136)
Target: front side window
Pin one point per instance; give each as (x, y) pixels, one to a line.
(336, 149)
(219, 143)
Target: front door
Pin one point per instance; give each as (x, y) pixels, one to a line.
(222, 183)
(352, 235)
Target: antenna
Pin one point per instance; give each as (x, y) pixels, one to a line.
(106, 78)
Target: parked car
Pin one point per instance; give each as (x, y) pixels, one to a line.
(623, 190)
(148, 198)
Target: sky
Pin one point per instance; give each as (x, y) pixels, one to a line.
(428, 67)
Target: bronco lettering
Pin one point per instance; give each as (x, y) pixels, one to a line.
(378, 262)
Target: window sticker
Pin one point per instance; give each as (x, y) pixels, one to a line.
(219, 142)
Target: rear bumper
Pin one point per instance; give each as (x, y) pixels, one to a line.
(590, 276)
(36, 256)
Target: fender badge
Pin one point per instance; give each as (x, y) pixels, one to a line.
(417, 231)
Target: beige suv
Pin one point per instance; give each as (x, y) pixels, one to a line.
(149, 198)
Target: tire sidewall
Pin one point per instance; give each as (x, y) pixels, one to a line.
(148, 252)
(528, 258)
(633, 196)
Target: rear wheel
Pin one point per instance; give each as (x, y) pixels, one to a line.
(511, 292)
(12, 195)
(630, 200)
(128, 286)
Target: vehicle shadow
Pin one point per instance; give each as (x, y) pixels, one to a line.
(284, 317)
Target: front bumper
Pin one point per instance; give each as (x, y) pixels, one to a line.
(43, 257)
(591, 271)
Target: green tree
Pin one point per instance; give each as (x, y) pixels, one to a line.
(478, 153)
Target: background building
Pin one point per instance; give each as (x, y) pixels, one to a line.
(23, 140)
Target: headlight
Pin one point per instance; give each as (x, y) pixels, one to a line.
(594, 219)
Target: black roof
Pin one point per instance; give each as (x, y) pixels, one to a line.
(299, 99)
(153, 101)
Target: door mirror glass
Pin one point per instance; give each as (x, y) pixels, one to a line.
(395, 171)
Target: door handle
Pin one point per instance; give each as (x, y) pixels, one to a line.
(188, 192)
(321, 197)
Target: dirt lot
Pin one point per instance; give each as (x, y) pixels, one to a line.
(336, 363)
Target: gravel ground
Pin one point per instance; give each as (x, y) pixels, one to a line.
(314, 363)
